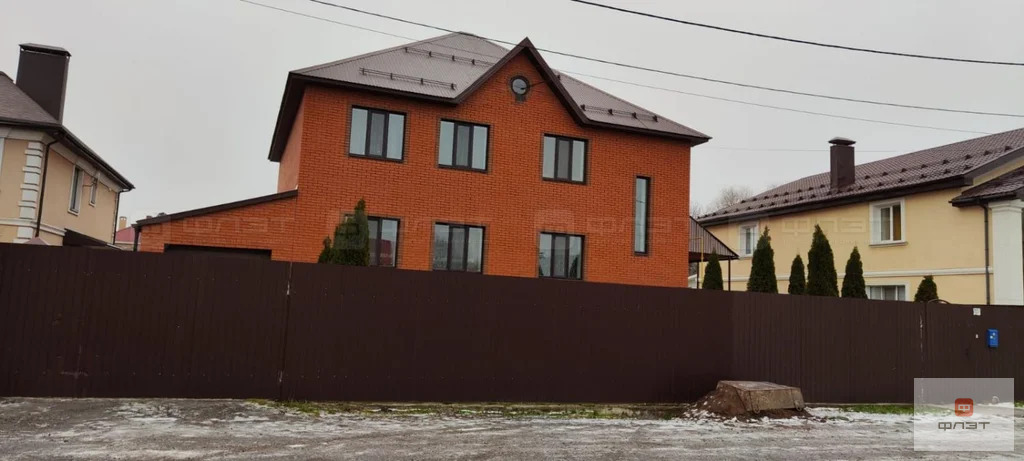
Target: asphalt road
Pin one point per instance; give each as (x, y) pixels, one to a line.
(227, 429)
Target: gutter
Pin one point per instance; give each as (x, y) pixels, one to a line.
(988, 276)
(42, 187)
(138, 233)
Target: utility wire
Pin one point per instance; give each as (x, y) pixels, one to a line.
(627, 82)
(795, 40)
(675, 74)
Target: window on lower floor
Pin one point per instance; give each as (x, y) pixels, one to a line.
(458, 247)
(560, 256)
(377, 134)
(92, 190)
(383, 241)
(888, 292)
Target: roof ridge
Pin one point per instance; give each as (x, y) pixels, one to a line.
(373, 53)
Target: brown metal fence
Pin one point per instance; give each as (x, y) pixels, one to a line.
(91, 323)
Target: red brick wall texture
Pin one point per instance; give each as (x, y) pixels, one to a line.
(510, 200)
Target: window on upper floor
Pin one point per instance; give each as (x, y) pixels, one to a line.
(887, 292)
(887, 220)
(92, 190)
(377, 134)
(458, 247)
(77, 178)
(560, 256)
(463, 145)
(748, 239)
(641, 213)
(564, 159)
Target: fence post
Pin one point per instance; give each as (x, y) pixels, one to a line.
(284, 333)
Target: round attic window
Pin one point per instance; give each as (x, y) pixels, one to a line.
(520, 85)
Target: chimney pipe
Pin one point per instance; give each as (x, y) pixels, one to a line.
(122, 222)
(43, 76)
(842, 171)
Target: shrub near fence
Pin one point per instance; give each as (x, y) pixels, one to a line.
(92, 323)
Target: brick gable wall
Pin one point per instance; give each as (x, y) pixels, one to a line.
(510, 199)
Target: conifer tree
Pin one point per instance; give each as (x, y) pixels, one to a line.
(762, 271)
(821, 267)
(713, 274)
(853, 281)
(797, 281)
(927, 290)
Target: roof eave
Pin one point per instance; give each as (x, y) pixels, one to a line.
(945, 183)
(215, 208)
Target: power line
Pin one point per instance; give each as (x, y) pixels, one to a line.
(676, 74)
(795, 40)
(637, 84)
(769, 106)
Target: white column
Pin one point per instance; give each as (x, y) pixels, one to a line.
(1007, 250)
(28, 205)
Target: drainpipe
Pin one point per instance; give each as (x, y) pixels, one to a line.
(42, 187)
(988, 277)
(138, 233)
(117, 209)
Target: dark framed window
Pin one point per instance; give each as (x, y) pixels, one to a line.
(463, 145)
(641, 213)
(377, 134)
(560, 256)
(565, 159)
(458, 247)
(383, 241)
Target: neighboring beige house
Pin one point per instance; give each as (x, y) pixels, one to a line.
(53, 187)
(953, 212)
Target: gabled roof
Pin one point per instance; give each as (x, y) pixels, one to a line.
(1007, 186)
(17, 108)
(952, 165)
(447, 69)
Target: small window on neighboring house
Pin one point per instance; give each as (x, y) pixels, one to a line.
(376, 134)
(77, 177)
(560, 256)
(458, 247)
(564, 159)
(383, 241)
(92, 190)
(748, 239)
(888, 292)
(463, 145)
(887, 222)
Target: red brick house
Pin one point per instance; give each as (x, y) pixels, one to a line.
(470, 157)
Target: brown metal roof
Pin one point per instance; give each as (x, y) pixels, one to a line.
(703, 244)
(1009, 185)
(449, 68)
(17, 108)
(946, 166)
(216, 208)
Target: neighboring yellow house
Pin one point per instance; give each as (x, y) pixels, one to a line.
(53, 188)
(953, 212)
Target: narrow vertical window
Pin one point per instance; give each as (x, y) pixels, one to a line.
(458, 247)
(463, 145)
(560, 256)
(641, 212)
(377, 134)
(564, 159)
(76, 189)
(92, 190)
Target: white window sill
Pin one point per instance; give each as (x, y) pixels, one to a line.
(894, 243)
(746, 256)
(73, 212)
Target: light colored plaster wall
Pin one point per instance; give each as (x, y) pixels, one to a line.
(940, 239)
(96, 221)
(11, 177)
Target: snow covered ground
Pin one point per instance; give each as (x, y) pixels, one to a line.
(231, 429)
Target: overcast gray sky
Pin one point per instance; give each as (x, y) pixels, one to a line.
(181, 96)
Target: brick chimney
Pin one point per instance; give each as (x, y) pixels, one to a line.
(842, 171)
(43, 76)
